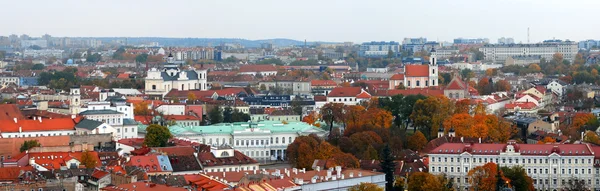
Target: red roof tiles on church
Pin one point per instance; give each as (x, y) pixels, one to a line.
(417, 70)
(397, 77)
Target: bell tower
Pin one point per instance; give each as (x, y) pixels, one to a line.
(75, 101)
(433, 69)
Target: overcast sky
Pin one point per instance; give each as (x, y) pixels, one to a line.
(314, 20)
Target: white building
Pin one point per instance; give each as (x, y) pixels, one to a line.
(265, 140)
(114, 111)
(550, 165)
(5, 80)
(348, 95)
(500, 52)
(160, 82)
(43, 53)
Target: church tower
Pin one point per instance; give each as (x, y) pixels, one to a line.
(433, 69)
(75, 101)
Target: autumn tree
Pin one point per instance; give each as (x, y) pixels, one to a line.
(417, 141)
(590, 137)
(191, 97)
(365, 186)
(360, 142)
(503, 86)
(484, 177)
(499, 130)
(422, 181)
(311, 118)
(141, 108)
(300, 153)
(157, 136)
(28, 145)
(547, 140)
(535, 67)
(429, 114)
(577, 123)
(88, 160)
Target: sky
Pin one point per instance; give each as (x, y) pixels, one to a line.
(314, 20)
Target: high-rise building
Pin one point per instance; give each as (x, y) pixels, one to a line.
(589, 44)
(501, 52)
(471, 41)
(506, 40)
(378, 49)
(420, 40)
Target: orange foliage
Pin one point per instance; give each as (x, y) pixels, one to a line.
(312, 119)
(484, 177)
(547, 140)
(481, 126)
(358, 119)
(462, 106)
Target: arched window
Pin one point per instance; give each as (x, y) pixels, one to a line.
(418, 83)
(153, 87)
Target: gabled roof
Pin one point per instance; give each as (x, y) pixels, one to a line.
(151, 163)
(522, 105)
(257, 68)
(29, 125)
(54, 160)
(10, 111)
(416, 70)
(88, 124)
(345, 92)
(364, 95)
(9, 174)
(323, 83)
(397, 77)
(456, 84)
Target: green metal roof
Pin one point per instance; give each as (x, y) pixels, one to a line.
(229, 128)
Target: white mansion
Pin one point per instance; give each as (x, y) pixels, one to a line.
(549, 165)
(160, 81)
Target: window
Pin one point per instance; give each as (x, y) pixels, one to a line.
(276, 140)
(418, 83)
(290, 140)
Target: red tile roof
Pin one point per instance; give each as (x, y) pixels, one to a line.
(456, 84)
(416, 70)
(142, 119)
(177, 150)
(257, 68)
(54, 160)
(205, 182)
(11, 146)
(323, 83)
(181, 117)
(149, 163)
(197, 109)
(522, 105)
(320, 98)
(208, 159)
(98, 174)
(10, 111)
(123, 76)
(30, 125)
(12, 174)
(345, 92)
(364, 95)
(142, 186)
(397, 77)
(523, 149)
(425, 92)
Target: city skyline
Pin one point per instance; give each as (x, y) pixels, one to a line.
(330, 21)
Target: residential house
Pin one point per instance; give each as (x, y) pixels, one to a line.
(348, 95)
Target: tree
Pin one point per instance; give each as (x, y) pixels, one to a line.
(466, 74)
(575, 184)
(422, 181)
(28, 145)
(332, 112)
(263, 87)
(547, 140)
(503, 86)
(499, 130)
(88, 160)
(157, 136)
(93, 57)
(141, 108)
(490, 72)
(38, 67)
(429, 114)
(484, 177)
(227, 114)
(558, 58)
(191, 97)
(417, 141)
(238, 116)
(388, 166)
(591, 137)
(296, 106)
(518, 178)
(535, 67)
(390, 54)
(215, 115)
(365, 186)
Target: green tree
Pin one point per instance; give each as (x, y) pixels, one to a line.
(29, 144)
(238, 116)
(296, 106)
(215, 115)
(142, 58)
(38, 67)
(575, 184)
(390, 54)
(94, 57)
(518, 178)
(157, 136)
(227, 114)
(466, 74)
(388, 167)
(88, 160)
(2, 55)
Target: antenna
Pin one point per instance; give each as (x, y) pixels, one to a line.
(528, 35)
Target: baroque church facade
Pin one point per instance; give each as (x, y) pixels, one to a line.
(172, 77)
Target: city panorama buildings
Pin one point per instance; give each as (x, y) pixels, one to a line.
(263, 140)
(501, 52)
(160, 81)
(549, 165)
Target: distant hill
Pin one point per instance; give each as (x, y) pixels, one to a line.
(206, 41)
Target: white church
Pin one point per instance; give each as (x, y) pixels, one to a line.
(160, 81)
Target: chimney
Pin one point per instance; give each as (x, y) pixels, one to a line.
(479, 139)
(338, 169)
(318, 168)
(254, 171)
(72, 116)
(40, 119)
(462, 139)
(351, 175)
(15, 119)
(359, 174)
(342, 177)
(329, 174)
(223, 174)
(303, 170)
